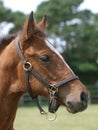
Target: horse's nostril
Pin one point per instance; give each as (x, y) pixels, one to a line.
(83, 97)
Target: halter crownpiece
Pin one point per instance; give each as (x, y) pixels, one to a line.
(53, 88)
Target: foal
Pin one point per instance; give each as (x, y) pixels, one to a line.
(48, 74)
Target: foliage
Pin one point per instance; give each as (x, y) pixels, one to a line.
(17, 18)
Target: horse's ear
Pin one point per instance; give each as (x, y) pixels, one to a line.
(29, 26)
(43, 23)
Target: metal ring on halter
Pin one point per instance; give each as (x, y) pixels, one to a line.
(51, 116)
(27, 66)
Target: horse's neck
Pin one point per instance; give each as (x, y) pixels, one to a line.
(9, 87)
(8, 109)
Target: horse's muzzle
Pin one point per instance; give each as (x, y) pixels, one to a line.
(74, 107)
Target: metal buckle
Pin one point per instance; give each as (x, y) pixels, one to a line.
(27, 66)
(53, 88)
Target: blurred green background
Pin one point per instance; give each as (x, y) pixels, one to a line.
(74, 33)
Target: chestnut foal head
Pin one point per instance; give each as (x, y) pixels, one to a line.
(56, 79)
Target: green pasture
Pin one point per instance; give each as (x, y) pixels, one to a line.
(29, 118)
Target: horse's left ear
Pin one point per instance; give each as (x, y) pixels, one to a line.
(29, 26)
(43, 23)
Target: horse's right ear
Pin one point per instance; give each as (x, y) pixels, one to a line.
(29, 26)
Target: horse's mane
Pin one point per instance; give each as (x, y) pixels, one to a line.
(4, 41)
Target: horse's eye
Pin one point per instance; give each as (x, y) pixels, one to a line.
(44, 58)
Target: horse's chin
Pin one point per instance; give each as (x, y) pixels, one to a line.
(74, 110)
(71, 110)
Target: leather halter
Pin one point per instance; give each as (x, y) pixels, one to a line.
(53, 88)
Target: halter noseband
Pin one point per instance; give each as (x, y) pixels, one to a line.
(53, 88)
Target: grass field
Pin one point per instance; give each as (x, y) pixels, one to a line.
(29, 118)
